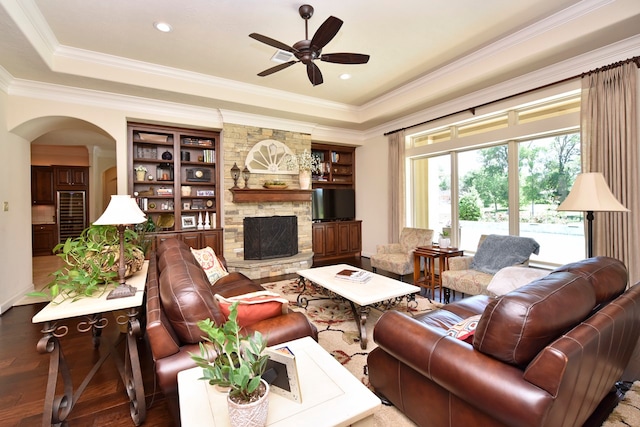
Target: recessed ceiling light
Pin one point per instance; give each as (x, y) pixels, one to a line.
(345, 76)
(162, 26)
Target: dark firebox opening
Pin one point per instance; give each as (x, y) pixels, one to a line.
(270, 237)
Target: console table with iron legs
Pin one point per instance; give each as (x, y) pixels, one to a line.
(90, 311)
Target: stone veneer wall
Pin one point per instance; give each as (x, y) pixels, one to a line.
(237, 140)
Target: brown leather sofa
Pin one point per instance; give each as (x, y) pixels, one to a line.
(545, 354)
(178, 296)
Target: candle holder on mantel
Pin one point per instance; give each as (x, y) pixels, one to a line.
(235, 174)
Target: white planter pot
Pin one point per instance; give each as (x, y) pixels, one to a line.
(250, 414)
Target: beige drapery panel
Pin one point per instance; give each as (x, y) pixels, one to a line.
(609, 138)
(396, 185)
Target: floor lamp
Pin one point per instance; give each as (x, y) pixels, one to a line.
(590, 193)
(122, 211)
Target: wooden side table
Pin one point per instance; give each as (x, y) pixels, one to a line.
(431, 280)
(91, 309)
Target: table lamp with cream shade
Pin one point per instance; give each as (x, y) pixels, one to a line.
(122, 211)
(590, 193)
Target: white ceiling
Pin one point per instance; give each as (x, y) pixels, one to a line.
(423, 52)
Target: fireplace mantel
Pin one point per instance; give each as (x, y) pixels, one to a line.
(253, 195)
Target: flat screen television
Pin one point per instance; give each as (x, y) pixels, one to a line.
(333, 204)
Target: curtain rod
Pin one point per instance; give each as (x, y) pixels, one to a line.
(472, 110)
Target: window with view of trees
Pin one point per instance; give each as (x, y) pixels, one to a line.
(511, 187)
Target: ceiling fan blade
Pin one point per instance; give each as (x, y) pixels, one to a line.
(345, 58)
(276, 68)
(315, 76)
(273, 43)
(325, 33)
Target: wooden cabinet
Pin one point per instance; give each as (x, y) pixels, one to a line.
(337, 164)
(71, 177)
(44, 239)
(42, 189)
(339, 239)
(173, 176)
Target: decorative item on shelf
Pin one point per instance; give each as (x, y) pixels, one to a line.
(167, 155)
(189, 221)
(197, 204)
(306, 164)
(150, 177)
(141, 172)
(591, 193)
(164, 191)
(200, 224)
(207, 225)
(185, 156)
(198, 175)
(122, 211)
(205, 193)
(146, 193)
(235, 174)
(275, 185)
(166, 221)
(239, 364)
(164, 172)
(185, 191)
(186, 206)
(245, 175)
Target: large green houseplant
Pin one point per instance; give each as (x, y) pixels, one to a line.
(238, 364)
(91, 262)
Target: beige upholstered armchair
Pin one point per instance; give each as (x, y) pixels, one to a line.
(398, 257)
(466, 276)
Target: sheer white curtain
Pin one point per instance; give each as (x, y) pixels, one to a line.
(396, 185)
(609, 136)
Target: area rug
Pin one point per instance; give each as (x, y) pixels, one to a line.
(338, 334)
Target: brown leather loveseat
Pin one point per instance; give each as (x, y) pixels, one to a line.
(545, 354)
(179, 295)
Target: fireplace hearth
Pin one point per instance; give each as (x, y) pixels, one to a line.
(270, 237)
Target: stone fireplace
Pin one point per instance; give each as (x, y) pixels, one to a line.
(237, 142)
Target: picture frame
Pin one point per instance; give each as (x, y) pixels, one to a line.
(186, 206)
(282, 367)
(189, 221)
(205, 193)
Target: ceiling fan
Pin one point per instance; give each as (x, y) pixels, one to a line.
(306, 51)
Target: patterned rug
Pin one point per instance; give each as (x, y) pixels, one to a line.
(338, 334)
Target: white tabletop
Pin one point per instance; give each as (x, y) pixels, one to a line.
(61, 308)
(331, 396)
(379, 288)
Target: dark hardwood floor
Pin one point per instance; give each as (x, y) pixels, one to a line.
(23, 372)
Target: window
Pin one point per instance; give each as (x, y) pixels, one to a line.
(503, 173)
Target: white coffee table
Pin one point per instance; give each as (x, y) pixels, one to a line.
(331, 395)
(364, 295)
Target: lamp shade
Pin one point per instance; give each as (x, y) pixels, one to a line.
(590, 192)
(122, 209)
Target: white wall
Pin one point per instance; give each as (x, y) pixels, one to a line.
(372, 192)
(15, 224)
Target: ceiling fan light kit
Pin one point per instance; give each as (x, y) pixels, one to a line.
(308, 50)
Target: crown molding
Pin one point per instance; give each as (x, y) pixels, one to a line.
(256, 120)
(111, 101)
(554, 73)
(5, 80)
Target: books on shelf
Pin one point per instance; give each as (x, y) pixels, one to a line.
(354, 275)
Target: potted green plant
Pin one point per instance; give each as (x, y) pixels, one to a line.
(444, 241)
(91, 262)
(238, 364)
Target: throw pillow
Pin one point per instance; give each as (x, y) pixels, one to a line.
(511, 278)
(465, 329)
(254, 306)
(210, 263)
